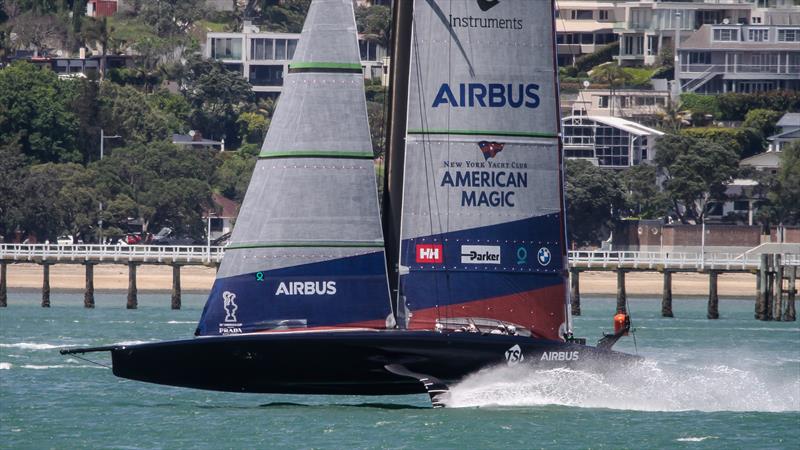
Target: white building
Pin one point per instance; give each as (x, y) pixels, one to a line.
(608, 141)
(638, 105)
(263, 57)
(584, 26)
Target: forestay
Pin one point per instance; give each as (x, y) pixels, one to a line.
(482, 220)
(307, 248)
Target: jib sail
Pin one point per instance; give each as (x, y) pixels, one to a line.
(482, 216)
(307, 247)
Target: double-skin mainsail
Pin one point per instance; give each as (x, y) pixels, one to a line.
(482, 211)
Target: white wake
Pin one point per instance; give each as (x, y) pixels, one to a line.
(642, 386)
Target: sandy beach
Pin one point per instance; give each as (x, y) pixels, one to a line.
(200, 279)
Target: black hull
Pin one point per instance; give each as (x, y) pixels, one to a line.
(354, 362)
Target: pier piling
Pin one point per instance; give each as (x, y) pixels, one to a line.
(762, 283)
(88, 295)
(176, 286)
(777, 298)
(713, 297)
(3, 285)
(789, 314)
(666, 297)
(622, 299)
(575, 291)
(133, 302)
(45, 285)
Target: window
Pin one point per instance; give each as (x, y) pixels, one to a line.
(266, 75)
(634, 45)
(726, 34)
(756, 19)
(261, 49)
(587, 38)
(280, 49)
(603, 14)
(652, 45)
(741, 205)
(789, 35)
(226, 48)
(291, 46)
(581, 14)
(758, 35)
(602, 101)
(699, 58)
(216, 224)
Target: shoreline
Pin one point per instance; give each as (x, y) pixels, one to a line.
(200, 279)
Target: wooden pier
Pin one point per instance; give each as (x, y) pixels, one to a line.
(776, 282)
(774, 297)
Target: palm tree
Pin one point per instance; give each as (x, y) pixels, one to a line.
(613, 75)
(673, 116)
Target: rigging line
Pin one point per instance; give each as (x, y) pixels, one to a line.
(425, 139)
(90, 361)
(440, 14)
(630, 322)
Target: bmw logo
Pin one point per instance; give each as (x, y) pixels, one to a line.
(543, 256)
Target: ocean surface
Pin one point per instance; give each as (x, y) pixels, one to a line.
(732, 383)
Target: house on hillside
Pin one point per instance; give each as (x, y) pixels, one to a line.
(610, 142)
(788, 131)
(219, 220)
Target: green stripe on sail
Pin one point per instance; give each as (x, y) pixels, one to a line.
(317, 154)
(324, 65)
(305, 245)
(486, 133)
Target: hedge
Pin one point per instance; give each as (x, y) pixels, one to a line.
(746, 141)
(587, 62)
(734, 106)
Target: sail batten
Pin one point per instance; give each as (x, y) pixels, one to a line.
(307, 249)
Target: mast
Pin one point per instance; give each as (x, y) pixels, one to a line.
(402, 15)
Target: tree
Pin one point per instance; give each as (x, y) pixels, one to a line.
(158, 183)
(785, 193)
(375, 23)
(34, 111)
(125, 111)
(12, 166)
(217, 96)
(171, 18)
(643, 195)
(762, 120)
(253, 127)
(288, 16)
(42, 32)
(98, 30)
(594, 197)
(697, 171)
(613, 75)
(233, 175)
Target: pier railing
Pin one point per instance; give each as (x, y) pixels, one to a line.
(212, 255)
(599, 260)
(81, 253)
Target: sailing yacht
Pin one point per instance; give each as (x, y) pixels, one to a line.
(320, 293)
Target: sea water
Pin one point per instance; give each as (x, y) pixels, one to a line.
(729, 383)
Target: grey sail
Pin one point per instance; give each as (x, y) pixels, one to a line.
(307, 247)
(482, 214)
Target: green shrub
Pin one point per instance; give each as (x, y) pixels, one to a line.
(745, 141)
(734, 106)
(586, 62)
(762, 120)
(700, 104)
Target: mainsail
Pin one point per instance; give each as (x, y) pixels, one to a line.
(307, 248)
(482, 214)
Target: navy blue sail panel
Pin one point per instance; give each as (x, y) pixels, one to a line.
(343, 292)
(307, 248)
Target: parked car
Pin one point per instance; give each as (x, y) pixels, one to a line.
(166, 236)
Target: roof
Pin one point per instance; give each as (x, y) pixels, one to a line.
(223, 207)
(622, 124)
(789, 135)
(701, 40)
(582, 26)
(185, 139)
(769, 160)
(789, 120)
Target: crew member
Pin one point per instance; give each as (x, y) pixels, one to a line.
(622, 322)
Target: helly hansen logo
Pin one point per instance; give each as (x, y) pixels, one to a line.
(430, 254)
(480, 254)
